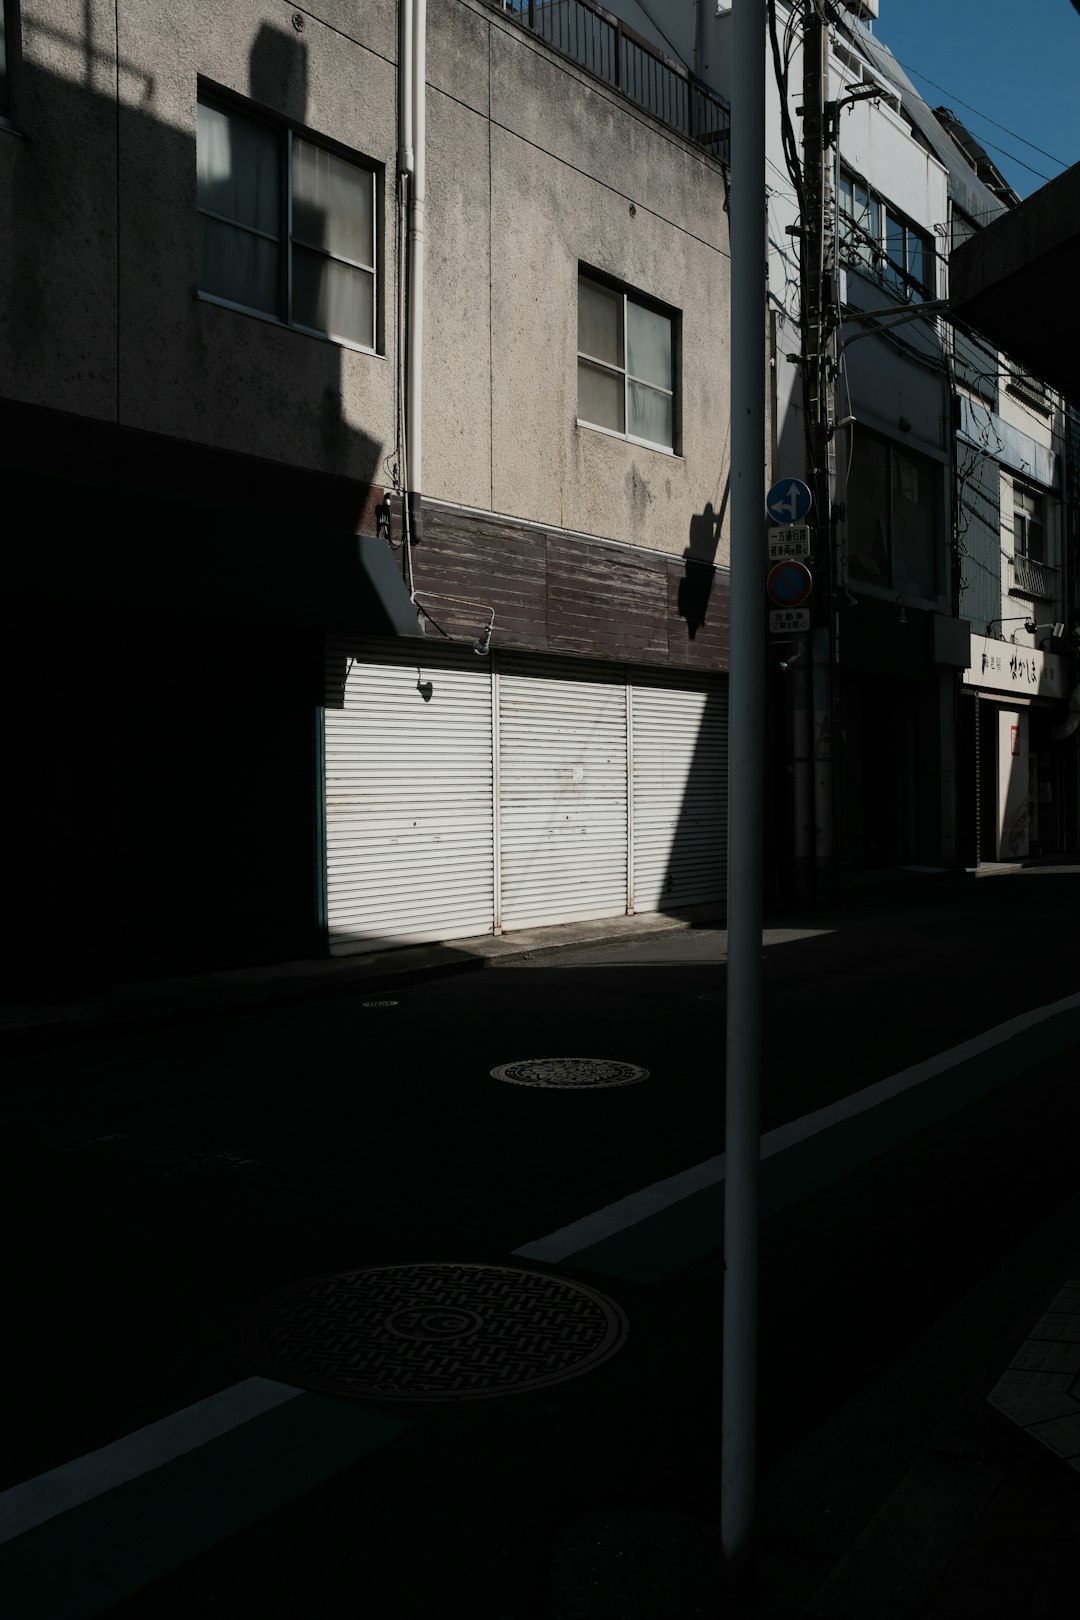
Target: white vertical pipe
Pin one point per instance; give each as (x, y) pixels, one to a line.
(745, 782)
(414, 460)
(405, 89)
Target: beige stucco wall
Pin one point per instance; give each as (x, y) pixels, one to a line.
(533, 168)
(517, 203)
(98, 224)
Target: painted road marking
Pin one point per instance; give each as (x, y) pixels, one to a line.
(82, 1562)
(626, 1212)
(659, 1230)
(25, 1506)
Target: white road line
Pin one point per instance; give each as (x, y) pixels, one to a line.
(25, 1506)
(626, 1212)
(638, 1206)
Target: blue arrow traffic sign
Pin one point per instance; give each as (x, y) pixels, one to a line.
(788, 500)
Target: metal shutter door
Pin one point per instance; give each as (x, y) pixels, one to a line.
(562, 792)
(409, 809)
(679, 736)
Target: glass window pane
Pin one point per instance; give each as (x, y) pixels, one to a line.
(234, 264)
(914, 525)
(334, 298)
(600, 322)
(918, 258)
(238, 163)
(332, 203)
(649, 413)
(600, 397)
(867, 512)
(648, 345)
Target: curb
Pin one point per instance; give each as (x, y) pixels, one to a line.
(56, 1034)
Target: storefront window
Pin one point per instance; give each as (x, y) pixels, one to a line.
(893, 517)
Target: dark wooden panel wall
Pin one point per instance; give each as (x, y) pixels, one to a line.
(552, 592)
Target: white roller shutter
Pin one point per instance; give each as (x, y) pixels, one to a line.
(409, 807)
(679, 769)
(562, 791)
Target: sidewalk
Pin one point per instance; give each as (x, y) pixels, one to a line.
(161, 1002)
(951, 1485)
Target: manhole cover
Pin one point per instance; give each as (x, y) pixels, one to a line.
(434, 1332)
(570, 1074)
(380, 1003)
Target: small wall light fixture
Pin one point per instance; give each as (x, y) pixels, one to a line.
(483, 640)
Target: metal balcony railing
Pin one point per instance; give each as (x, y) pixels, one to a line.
(599, 42)
(1036, 579)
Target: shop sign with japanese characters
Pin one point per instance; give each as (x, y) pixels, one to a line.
(999, 666)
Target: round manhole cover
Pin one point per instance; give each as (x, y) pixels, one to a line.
(570, 1074)
(435, 1332)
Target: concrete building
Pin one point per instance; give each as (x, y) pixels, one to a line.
(1021, 437)
(950, 496)
(227, 741)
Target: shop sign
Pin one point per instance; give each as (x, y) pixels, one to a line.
(999, 666)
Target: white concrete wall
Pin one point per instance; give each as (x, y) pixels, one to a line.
(98, 224)
(1013, 818)
(533, 169)
(556, 172)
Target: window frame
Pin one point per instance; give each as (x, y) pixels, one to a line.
(630, 295)
(231, 105)
(860, 242)
(889, 585)
(1023, 521)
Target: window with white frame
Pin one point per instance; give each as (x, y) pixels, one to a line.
(286, 228)
(876, 236)
(1028, 523)
(626, 364)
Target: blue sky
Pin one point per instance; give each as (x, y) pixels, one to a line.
(1017, 61)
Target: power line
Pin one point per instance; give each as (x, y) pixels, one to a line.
(986, 116)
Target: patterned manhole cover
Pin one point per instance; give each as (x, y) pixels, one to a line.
(434, 1332)
(570, 1074)
(380, 1003)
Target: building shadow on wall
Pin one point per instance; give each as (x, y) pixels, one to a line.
(680, 825)
(179, 561)
(695, 587)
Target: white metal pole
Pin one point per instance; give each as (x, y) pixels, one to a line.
(745, 781)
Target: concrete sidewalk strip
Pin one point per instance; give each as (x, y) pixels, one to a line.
(25, 1506)
(81, 1560)
(655, 1233)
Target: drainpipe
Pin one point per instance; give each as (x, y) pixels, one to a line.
(414, 72)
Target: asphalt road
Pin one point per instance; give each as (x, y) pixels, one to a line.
(159, 1186)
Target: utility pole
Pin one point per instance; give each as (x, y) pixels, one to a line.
(746, 775)
(819, 324)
